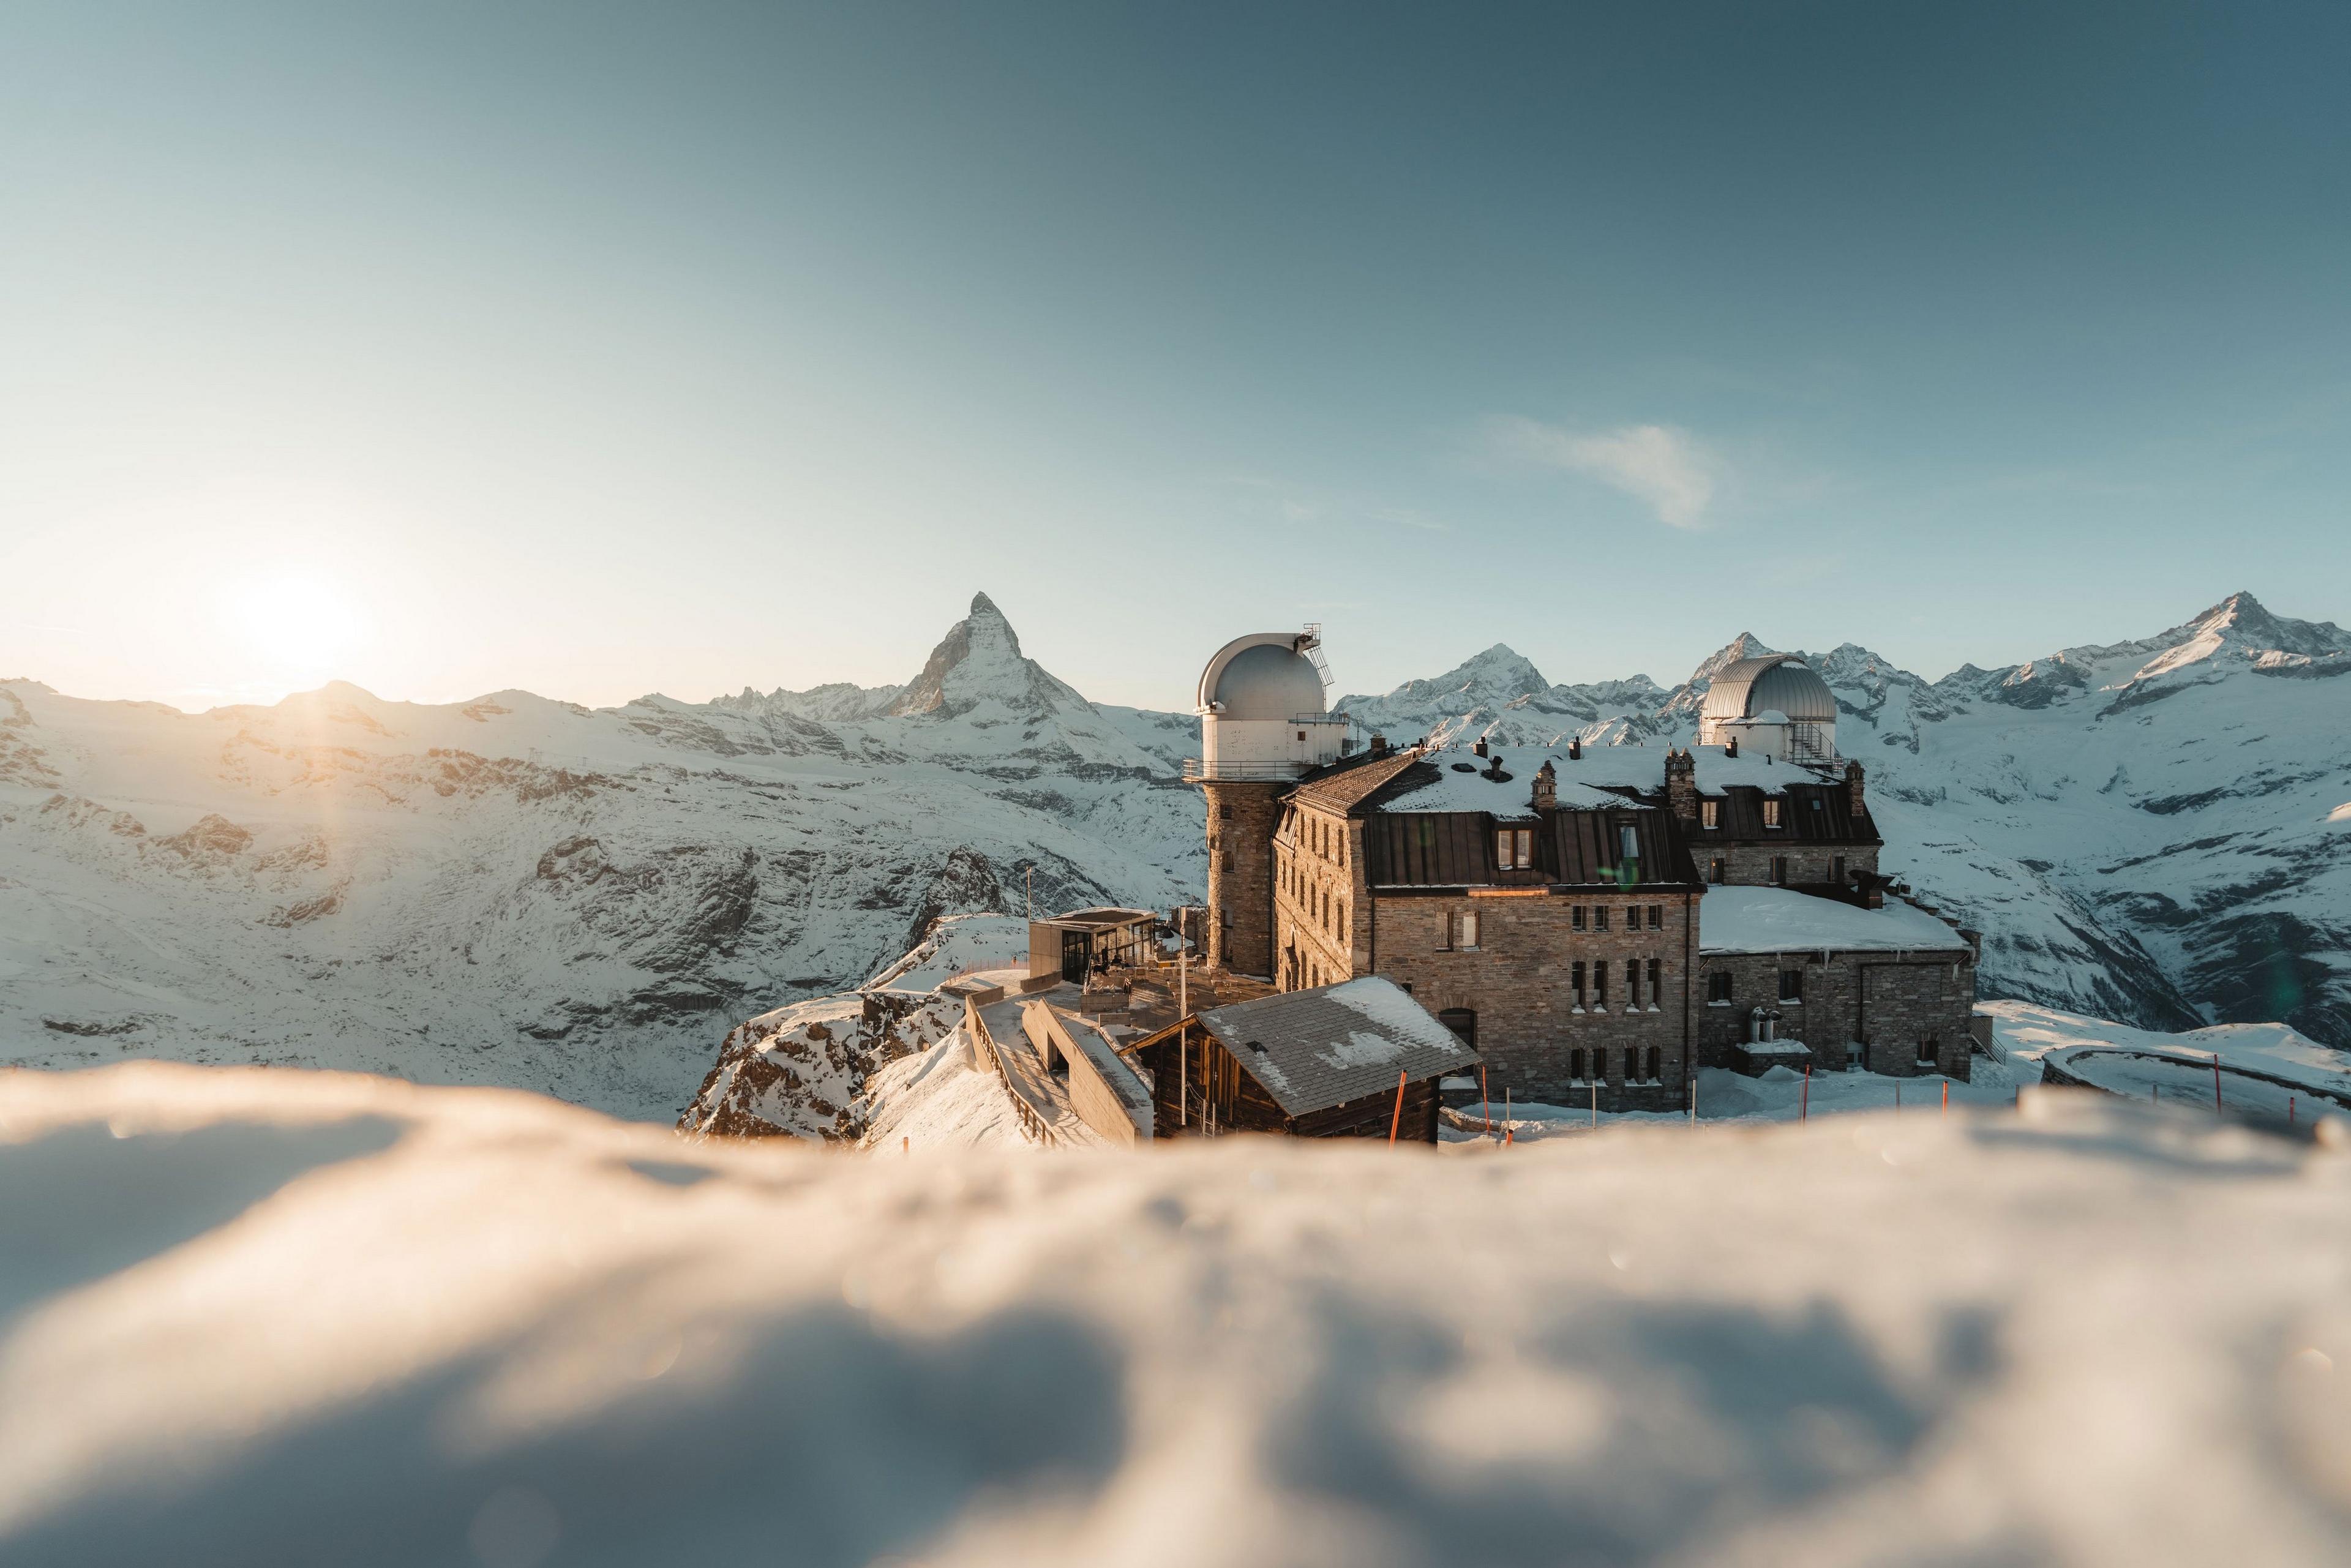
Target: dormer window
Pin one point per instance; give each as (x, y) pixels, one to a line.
(1709, 813)
(1770, 812)
(1514, 848)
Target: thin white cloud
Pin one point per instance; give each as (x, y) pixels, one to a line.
(1663, 466)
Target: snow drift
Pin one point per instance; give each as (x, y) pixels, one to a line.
(258, 1316)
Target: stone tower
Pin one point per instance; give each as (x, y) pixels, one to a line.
(1264, 724)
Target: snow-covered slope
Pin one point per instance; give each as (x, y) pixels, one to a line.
(2146, 830)
(521, 892)
(265, 1317)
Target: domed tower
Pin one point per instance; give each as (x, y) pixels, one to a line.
(1774, 706)
(1264, 724)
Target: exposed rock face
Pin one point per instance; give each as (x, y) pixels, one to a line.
(798, 1070)
(979, 662)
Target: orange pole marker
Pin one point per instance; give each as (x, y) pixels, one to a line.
(1396, 1121)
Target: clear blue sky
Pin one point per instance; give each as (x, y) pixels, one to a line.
(600, 349)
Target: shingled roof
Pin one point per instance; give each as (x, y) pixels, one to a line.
(1313, 1049)
(1347, 786)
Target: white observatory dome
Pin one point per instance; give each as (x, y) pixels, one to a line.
(1776, 703)
(1256, 679)
(1263, 714)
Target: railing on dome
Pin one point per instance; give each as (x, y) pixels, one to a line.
(1809, 742)
(1253, 770)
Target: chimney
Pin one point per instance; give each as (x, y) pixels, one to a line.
(1379, 743)
(1478, 750)
(1575, 748)
(1853, 800)
(1681, 785)
(1731, 749)
(1546, 788)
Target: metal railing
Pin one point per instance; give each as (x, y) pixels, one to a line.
(1197, 771)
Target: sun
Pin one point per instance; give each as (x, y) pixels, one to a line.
(298, 624)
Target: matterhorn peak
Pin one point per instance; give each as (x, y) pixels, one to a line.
(1745, 645)
(978, 660)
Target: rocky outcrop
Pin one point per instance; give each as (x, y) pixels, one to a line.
(799, 1071)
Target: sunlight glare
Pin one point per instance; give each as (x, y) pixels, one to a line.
(298, 625)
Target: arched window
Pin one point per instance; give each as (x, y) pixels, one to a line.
(1463, 1022)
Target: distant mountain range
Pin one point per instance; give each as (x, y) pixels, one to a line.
(582, 900)
(524, 891)
(2156, 831)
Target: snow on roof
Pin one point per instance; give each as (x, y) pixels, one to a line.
(1454, 790)
(1778, 920)
(1643, 768)
(1316, 1049)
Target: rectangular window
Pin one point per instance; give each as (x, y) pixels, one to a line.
(1779, 871)
(1526, 847)
(1628, 843)
(1578, 984)
(1715, 869)
(1927, 1052)
(1600, 986)
(1576, 1065)
(1717, 988)
(1656, 917)
(1600, 917)
(1632, 984)
(1655, 984)
(1576, 918)
(1836, 871)
(1514, 848)
(1709, 813)
(1632, 1064)
(1770, 812)
(1465, 931)
(1791, 985)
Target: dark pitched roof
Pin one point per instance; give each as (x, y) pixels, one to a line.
(1313, 1049)
(1347, 786)
(1810, 814)
(1573, 847)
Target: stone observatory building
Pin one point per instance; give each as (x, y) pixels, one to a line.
(1597, 923)
(1264, 725)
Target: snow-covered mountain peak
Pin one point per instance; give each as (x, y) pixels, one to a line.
(1496, 677)
(978, 661)
(1745, 645)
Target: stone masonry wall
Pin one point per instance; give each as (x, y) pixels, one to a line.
(1241, 820)
(1888, 1002)
(1749, 864)
(1518, 981)
(1317, 897)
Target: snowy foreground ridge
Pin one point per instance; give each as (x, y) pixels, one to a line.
(253, 1316)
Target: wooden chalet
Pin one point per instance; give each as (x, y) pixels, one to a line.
(1320, 1063)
